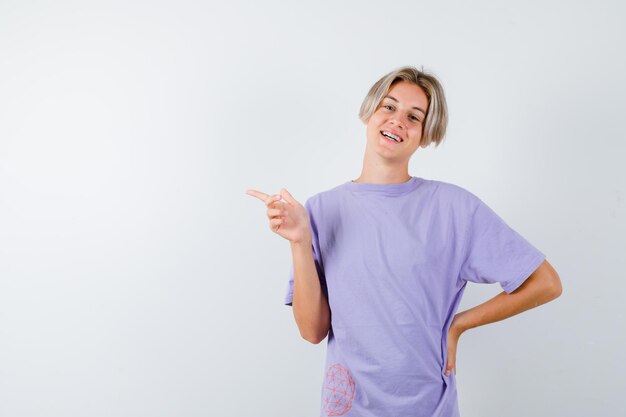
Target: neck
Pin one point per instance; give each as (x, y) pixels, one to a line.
(383, 172)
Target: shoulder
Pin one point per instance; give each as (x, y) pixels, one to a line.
(449, 190)
(324, 199)
(459, 198)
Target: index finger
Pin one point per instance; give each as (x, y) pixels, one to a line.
(266, 198)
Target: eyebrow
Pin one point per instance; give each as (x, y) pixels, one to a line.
(396, 100)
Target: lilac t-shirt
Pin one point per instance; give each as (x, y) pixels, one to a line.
(393, 261)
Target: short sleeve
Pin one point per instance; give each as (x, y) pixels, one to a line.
(497, 253)
(288, 299)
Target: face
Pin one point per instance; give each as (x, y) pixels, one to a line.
(401, 113)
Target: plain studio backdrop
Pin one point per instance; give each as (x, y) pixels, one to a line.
(138, 279)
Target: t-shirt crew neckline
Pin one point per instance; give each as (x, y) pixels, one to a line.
(394, 189)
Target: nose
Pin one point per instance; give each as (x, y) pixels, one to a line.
(396, 120)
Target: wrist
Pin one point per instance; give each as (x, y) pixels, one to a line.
(305, 242)
(460, 324)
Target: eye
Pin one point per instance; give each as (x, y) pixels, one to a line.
(388, 106)
(415, 118)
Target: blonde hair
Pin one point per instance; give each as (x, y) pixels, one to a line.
(436, 118)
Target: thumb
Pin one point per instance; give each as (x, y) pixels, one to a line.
(287, 196)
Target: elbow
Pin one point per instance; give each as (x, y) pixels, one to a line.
(316, 334)
(555, 288)
(314, 338)
(550, 281)
(314, 329)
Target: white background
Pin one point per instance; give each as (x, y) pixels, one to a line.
(138, 279)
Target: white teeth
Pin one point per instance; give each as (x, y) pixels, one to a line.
(392, 136)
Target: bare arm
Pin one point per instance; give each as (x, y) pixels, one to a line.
(310, 306)
(542, 286)
(291, 221)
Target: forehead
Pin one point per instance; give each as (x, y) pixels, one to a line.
(408, 94)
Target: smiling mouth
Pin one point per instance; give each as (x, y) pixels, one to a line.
(391, 136)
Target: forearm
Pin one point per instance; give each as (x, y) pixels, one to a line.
(310, 306)
(541, 287)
